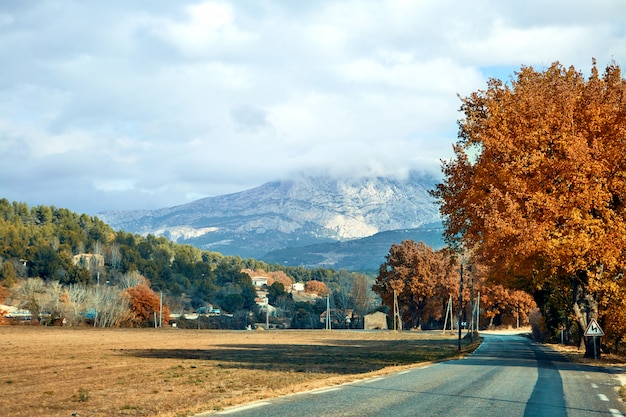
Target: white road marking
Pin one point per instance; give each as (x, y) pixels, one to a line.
(244, 407)
(325, 390)
(403, 372)
(594, 386)
(373, 380)
(603, 397)
(615, 413)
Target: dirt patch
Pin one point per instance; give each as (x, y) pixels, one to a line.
(173, 372)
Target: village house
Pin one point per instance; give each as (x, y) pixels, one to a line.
(375, 321)
(259, 282)
(335, 315)
(88, 260)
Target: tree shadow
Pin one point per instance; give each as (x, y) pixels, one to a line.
(336, 357)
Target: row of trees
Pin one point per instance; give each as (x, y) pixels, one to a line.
(424, 282)
(50, 302)
(536, 191)
(50, 243)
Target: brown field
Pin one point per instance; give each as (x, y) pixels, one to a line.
(56, 371)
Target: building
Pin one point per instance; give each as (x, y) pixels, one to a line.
(375, 321)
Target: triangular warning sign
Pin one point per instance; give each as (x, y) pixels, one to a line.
(594, 329)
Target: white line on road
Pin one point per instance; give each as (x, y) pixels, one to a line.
(594, 386)
(372, 380)
(603, 397)
(244, 407)
(615, 413)
(403, 372)
(325, 390)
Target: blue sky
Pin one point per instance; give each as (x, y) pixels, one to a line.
(149, 104)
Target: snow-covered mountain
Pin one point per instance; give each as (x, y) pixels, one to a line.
(294, 213)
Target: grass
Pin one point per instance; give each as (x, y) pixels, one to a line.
(173, 372)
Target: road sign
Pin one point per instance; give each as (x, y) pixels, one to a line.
(594, 329)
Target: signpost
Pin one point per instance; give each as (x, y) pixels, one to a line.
(594, 330)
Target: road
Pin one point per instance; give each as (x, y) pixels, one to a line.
(508, 375)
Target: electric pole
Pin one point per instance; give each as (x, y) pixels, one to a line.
(460, 304)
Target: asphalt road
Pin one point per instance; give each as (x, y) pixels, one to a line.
(507, 376)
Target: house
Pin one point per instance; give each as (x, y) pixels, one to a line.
(270, 309)
(297, 287)
(88, 260)
(335, 316)
(375, 321)
(259, 282)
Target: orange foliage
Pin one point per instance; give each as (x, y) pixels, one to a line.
(280, 276)
(272, 277)
(537, 187)
(316, 287)
(422, 280)
(144, 303)
(510, 305)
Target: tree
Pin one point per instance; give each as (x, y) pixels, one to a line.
(411, 272)
(361, 296)
(8, 274)
(274, 291)
(31, 293)
(537, 187)
(511, 307)
(144, 304)
(316, 287)
(76, 296)
(112, 306)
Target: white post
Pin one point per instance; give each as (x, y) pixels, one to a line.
(478, 313)
(328, 326)
(161, 310)
(448, 312)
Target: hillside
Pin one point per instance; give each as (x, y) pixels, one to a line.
(364, 254)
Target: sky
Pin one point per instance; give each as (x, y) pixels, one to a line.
(125, 105)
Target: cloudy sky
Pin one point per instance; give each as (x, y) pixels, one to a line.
(148, 104)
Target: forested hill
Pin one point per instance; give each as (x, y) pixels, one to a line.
(50, 243)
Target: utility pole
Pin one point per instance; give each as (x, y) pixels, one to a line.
(471, 323)
(448, 314)
(328, 326)
(161, 310)
(460, 304)
(478, 313)
(397, 322)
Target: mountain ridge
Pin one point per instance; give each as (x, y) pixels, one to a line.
(294, 213)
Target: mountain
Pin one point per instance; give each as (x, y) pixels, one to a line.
(365, 254)
(282, 215)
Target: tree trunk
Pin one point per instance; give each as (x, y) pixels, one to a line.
(585, 307)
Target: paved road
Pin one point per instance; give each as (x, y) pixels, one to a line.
(507, 376)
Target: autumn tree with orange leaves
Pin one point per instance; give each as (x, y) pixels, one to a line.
(537, 186)
(316, 287)
(145, 304)
(420, 279)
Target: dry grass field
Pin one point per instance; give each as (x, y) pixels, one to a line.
(56, 371)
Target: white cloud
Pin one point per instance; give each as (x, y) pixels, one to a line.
(208, 30)
(117, 105)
